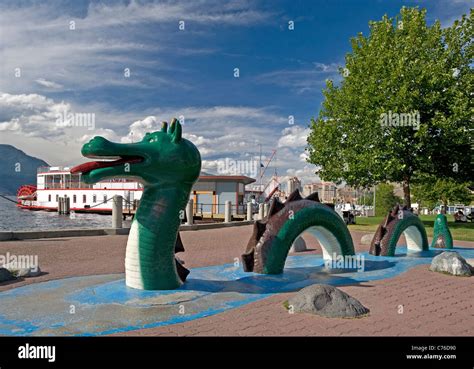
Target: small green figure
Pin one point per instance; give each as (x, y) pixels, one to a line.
(442, 237)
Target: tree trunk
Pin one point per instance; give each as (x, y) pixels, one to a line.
(406, 192)
(445, 205)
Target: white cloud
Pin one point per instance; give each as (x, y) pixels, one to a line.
(220, 132)
(303, 78)
(31, 114)
(101, 15)
(109, 134)
(217, 131)
(304, 156)
(447, 11)
(52, 58)
(37, 39)
(294, 136)
(50, 84)
(306, 174)
(138, 129)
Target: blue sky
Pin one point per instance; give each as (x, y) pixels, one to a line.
(173, 72)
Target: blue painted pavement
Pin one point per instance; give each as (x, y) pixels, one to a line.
(102, 304)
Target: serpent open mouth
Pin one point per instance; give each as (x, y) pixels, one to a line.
(108, 162)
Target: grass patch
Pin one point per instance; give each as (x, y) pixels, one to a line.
(460, 231)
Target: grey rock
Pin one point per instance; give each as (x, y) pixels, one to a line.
(20, 271)
(366, 239)
(298, 246)
(5, 275)
(328, 301)
(451, 262)
(471, 264)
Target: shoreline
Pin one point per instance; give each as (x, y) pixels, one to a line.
(84, 232)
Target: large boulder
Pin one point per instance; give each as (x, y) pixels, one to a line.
(5, 275)
(450, 262)
(19, 270)
(471, 264)
(328, 301)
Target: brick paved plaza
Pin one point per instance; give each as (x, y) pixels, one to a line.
(417, 302)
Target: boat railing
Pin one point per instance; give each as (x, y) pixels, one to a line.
(52, 169)
(66, 186)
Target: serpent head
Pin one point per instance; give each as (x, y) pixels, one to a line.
(160, 157)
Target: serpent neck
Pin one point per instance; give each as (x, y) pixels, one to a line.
(150, 261)
(162, 202)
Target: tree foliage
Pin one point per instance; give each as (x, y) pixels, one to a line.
(432, 192)
(367, 199)
(402, 66)
(385, 199)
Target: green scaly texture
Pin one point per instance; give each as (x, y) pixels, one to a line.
(402, 224)
(169, 167)
(441, 232)
(315, 215)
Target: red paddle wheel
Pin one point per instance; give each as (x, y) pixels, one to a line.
(26, 192)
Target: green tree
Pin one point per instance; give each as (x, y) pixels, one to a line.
(385, 199)
(403, 66)
(445, 191)
(367, 199)
(420, 193)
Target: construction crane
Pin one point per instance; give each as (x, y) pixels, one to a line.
(267, 164)
(262, 173)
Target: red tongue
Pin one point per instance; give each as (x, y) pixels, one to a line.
(92, 165)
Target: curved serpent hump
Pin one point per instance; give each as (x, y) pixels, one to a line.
(399, 221)
(272, 237)
(167, 165)
(442, 237)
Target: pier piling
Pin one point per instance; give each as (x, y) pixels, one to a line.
(249, 210)
(227, 214)
(64, 205)
(189, 212)
(67, 205)
(117, 211)
(260, 211)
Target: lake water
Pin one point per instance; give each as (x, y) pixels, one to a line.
(13, 218)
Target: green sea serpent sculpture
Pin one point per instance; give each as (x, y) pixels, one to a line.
(273, 236)
(399, 221)
(168, 165)
(442, 237)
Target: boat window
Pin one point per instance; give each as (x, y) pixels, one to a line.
(74, 198)
(105, 198)
(84, 198)
(94, 198)
(57, 198)
(49, 198)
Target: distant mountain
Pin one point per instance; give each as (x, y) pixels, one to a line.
(16, 169)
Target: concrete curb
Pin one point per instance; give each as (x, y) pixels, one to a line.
(29, 235)
(197, 227)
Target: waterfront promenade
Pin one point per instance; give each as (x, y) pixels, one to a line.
(417, 302)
